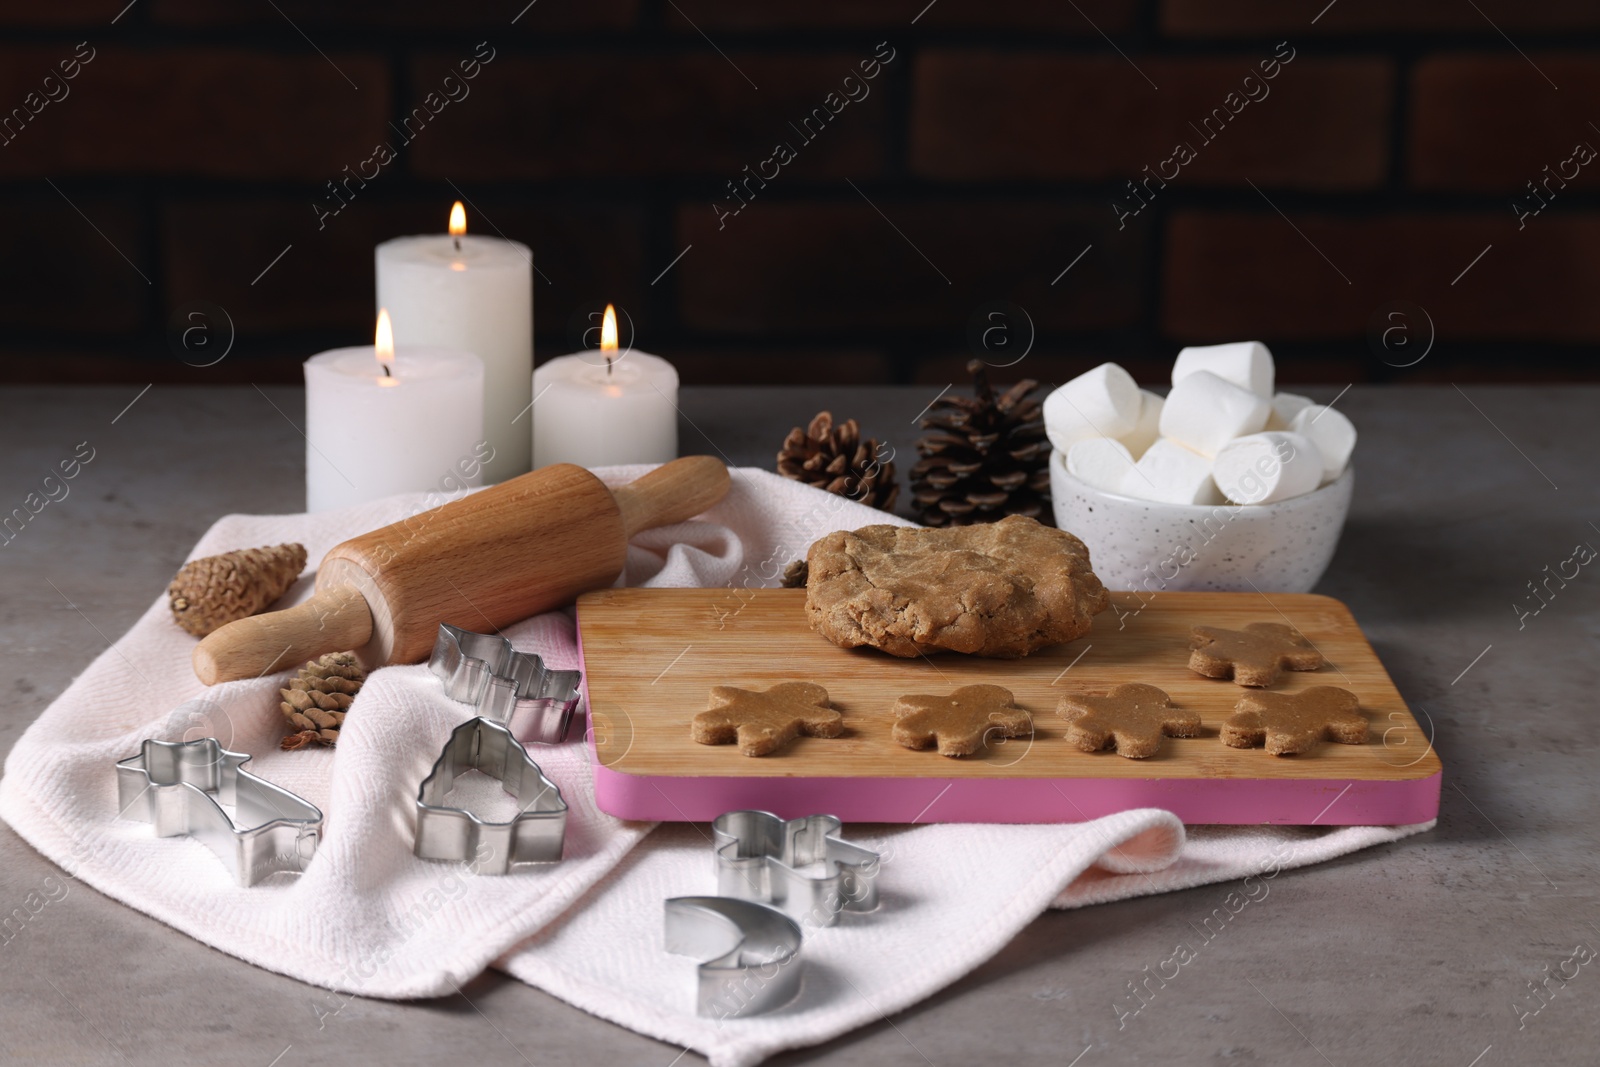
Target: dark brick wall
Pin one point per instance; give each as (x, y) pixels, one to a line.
(1123, 176)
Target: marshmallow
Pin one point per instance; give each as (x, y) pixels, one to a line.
(1101, 462)
(1103, 402)
(1246, 364)
(1264, 468)
(1205, 412)
(1285, 406)
(1144, 435)
(1332, 433)
(1171, 474)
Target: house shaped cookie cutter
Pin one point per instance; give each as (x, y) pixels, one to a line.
(504, 685)
(535, 835)
(757, 854)
(180, 788)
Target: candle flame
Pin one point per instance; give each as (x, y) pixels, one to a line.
(608, 330)
(383, 345)
(458, 220)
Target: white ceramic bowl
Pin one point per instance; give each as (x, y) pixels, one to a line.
(1149, 546)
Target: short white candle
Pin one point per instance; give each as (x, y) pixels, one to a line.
(473, 294)
(372, 433)
(595, 412)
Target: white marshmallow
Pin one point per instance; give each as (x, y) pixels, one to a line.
(1205, 412)
(1103, 402)
(1144, 435)
(1247, 364)
(1264, 468)
(1333, 434)
(1285, 406)
(1171, 474)
(1101, 462)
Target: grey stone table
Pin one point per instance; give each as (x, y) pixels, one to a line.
(1417, 953)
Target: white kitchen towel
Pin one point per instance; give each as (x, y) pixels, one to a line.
(367, 917)
(950, 898)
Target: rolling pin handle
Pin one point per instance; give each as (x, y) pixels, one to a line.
(673, 492)
(334, 620)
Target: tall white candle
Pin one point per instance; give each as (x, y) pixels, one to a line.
(595, 412)
(473, 294)
(372, 432)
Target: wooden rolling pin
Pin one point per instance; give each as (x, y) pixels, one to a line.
(482, 562)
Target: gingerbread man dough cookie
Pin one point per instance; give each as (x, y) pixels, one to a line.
(1295, 722)
(1132, 718)
(1254, 656)
(762, 723)
(961, 723)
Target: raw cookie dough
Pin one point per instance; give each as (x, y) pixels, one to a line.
(1001, 589)
(762, 723)
(961, 723)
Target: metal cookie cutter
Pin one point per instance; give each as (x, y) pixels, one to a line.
(756, 857)
(504, 685)
(180, 787)
(444, 833)
(751, 953)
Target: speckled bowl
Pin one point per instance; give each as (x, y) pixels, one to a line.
(1148, 546)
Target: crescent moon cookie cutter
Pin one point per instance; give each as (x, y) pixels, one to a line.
(181, 787)
(750, 953)
(535, 835)
(758, 856)
(504, 685)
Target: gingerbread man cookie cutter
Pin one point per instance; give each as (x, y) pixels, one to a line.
(181, 787)
(504, 685)
(537, 833)
(750, 953)
(757, 856)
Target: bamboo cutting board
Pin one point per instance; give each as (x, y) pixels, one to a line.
(651, 656)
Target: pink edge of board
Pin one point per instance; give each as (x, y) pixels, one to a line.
(1217, 801)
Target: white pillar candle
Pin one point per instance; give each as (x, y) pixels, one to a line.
(594, 413)
(372, 434)
(472, 294)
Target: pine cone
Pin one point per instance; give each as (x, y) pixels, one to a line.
(315, 702)
(838, 459)
(988, 458)
(796, 574)
(209, 593)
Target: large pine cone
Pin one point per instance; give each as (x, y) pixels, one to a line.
(315, 702)
(988, 457)
(840, 460)
(209, 593)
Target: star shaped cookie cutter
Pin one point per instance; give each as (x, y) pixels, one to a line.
(750, 953)
(757, 854)
(181, 787)
(535, 835)
(504, 685)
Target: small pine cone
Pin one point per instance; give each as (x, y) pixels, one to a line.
(315, 703)
(839, 460)
(796, 574)
(209, 593)
(297, 740)
(987, 458)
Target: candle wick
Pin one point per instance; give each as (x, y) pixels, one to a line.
(608, 366)
(458, 244)
(386, 373)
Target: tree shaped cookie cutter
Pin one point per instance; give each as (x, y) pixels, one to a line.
(535, 835)
(180, 788)
(504, 685)
(750, 953)
(757, 854)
